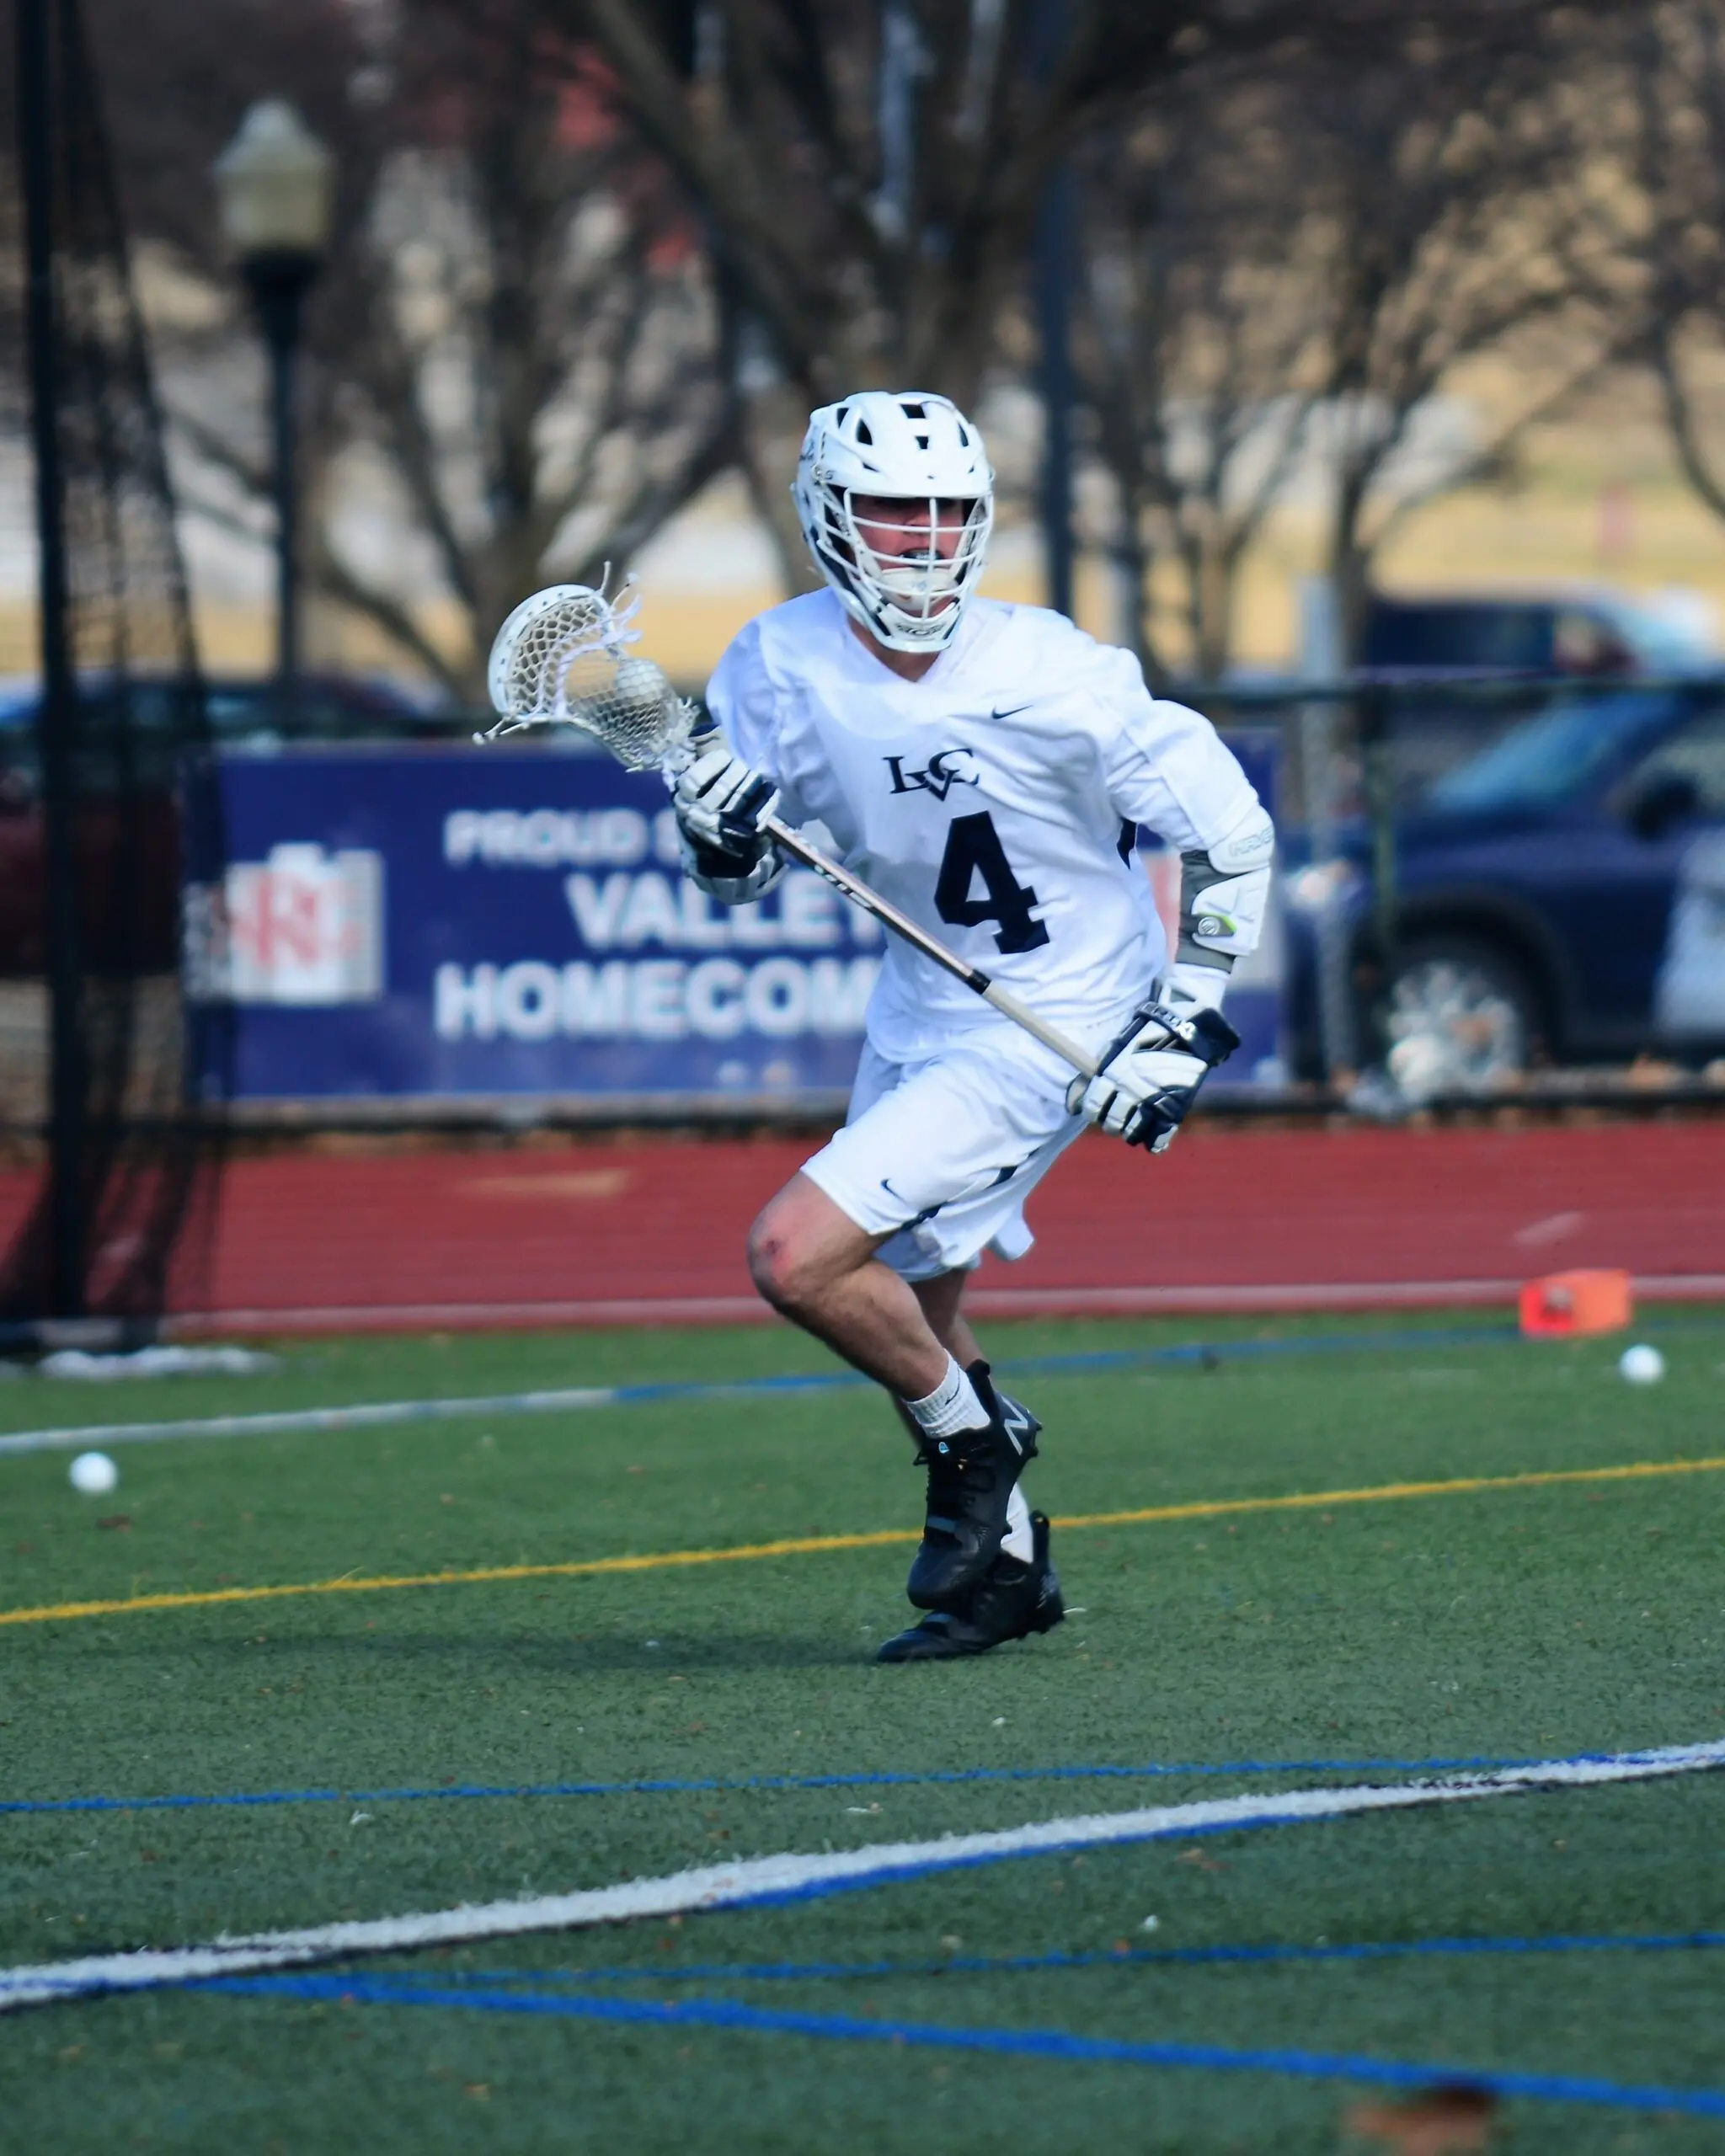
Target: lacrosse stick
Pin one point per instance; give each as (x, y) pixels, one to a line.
(563, 659)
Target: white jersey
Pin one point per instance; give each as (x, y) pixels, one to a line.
(996, 801)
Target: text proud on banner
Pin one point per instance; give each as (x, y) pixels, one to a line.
(444, 923)
(447, 923)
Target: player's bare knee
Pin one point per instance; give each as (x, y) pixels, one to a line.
(783, 1264)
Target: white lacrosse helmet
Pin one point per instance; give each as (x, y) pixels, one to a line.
(912, 447)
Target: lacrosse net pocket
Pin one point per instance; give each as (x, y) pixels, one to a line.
(563, 659)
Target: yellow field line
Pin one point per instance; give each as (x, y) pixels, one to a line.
(796, 1546)
(1387, 1492)
(808, 1545)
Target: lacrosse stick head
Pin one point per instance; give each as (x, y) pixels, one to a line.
(563, 659)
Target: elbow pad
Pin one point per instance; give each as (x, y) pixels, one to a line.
(1223, 895)
(733, 879)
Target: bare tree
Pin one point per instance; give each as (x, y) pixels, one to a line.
(1659, 197)
(175, 81)
(1199, 334)
(1447, 216)
(870, 171)
(514, 349)
(536, 374)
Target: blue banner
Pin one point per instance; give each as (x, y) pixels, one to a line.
(438, 922)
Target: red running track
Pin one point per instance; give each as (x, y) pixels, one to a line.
(588, 1233)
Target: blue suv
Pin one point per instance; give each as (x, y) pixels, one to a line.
(1560, 896)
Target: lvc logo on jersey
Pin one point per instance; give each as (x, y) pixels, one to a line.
(937, 777)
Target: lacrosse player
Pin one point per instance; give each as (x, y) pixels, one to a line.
(985, 767)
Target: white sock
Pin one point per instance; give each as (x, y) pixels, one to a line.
(951, 1407)
(1020, 1543)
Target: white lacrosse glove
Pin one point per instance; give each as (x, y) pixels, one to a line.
(720, 804)
(1149, 1076)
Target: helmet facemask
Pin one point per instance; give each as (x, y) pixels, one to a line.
(905, 447)
(913, 596)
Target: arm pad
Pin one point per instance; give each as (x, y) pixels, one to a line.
(1223, 894)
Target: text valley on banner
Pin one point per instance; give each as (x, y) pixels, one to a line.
(437, 923)
(440, 923)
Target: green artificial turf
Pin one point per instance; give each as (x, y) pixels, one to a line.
(1537, 1621)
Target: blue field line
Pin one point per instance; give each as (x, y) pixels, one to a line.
(710, 1784)
(457, 1407)
(976, 1965)
(1501, 1332)
(1032, 2043)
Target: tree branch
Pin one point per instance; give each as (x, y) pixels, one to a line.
(338, 580)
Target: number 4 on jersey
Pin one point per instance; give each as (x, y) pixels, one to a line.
(973, 848)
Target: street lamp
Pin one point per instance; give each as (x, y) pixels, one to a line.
(275, 184)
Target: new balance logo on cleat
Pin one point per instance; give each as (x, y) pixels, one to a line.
(1016, 1419)
(970, 1480)
(1019, 1425)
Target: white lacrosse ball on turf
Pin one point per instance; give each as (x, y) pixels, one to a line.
(93, 1474)
(1641, 1364)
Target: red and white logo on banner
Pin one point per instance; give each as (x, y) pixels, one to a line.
(304, 927)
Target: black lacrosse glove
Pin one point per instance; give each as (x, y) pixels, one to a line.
(1149, 1075)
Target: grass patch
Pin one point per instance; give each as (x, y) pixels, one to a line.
(1519, 1622)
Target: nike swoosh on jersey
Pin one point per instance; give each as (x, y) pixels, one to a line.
(917, 1219)
(1012, 713)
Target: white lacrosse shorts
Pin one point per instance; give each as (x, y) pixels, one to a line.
(939, 1156)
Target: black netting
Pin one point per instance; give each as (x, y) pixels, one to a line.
(107, 1179)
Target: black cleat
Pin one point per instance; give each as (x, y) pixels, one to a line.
(1014, 1600)
(970, 1479)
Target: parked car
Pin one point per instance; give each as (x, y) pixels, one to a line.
(241, 712)
(1589, 630)
(127, 842)
(1536, 886)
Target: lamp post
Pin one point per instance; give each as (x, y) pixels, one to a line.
(275, 184)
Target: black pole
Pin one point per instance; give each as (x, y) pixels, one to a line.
(278, 282)
(283, 448)
(1055, 238)
(1377, 750)
(57, 717)
(1054, 309)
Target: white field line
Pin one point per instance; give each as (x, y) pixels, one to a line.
(794, 1877)
(377, 1414)
(371, 1415)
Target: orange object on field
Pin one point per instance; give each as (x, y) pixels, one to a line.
(1564, 1303)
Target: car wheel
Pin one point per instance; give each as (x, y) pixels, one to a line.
(1462, 1018)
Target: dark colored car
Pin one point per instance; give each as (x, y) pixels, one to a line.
(1538, 889)
(127, 773)
(1590, 632)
